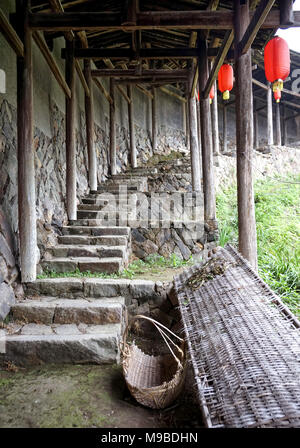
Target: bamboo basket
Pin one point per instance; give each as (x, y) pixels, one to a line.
(154, 381)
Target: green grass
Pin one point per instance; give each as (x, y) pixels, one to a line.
(154, 263)
(277, 210)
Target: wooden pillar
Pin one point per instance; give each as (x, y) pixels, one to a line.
(269, 116)
(214, 123)
(154, 120)
(277, 125)
(112, 129)
(70, 134)
(244, 138)
(133, 161)
(187, 118)
(194, 147)
(26, 170)
(284, 127)
(224, 147)
(89, 117)
(206, 142)
(255, 123)
(199, 131)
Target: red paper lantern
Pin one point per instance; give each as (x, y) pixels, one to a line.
(225, 80)
(277, 63)
(211, 94)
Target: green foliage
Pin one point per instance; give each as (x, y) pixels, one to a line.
(278, 231)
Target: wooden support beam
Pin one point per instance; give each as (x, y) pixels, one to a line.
(270, 137)
(256, 22)
(90, 128)
(70, 135)
(284, 127)
(244, 137)
(144, 91)
(26, 169)
(215, 123)
(277, 125)
(194, 143)
(157, 74)
(124, 94)
(227, 41)
(56, 6)
(150, 81)
(175, 95)
(103, 90)
(40, 41)
(154, 120)
(286, 12)
(154, 20)
(206, 142)
(133, 155)
(82, 78)
(265, 87)
(224, 146)
(255, 127)
(112, 128)
(10, 35)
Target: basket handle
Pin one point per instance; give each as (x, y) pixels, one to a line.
(162, 329)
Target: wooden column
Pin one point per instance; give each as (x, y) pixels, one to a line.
(70, 134)
(154, 120)
(224, 146)
(112, 129)
(206, 142)
(244, 138)
(277, 125)
(194, 148)
(269, 116)
(215, 123)
(26, 170)
(255, 129)
(199, 130)
(284, 127)
(89, 117)
(133, 161)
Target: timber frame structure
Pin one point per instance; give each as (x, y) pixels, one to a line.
(151, 44)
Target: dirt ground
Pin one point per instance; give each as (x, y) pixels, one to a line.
(84, 396)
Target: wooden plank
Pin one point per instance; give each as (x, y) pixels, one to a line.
(227, 41)
(10, 35)
(244, 138)
(185, 20)
(206, 142)
(71, 198)
(40, 41)
(133, 154)
(175, 95)
(90, 128)
(103, 90)
(112, 129)
(194, 143)
(26, 153)
(256, 22)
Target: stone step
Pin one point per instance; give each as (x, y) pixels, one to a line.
(109, 222)
(37, 344)
(51, 310)
(104, 240)
(95, 230)
(66, 251)
(90, 206)
(83, 264)
(92, 287)
(106, 215)
(113, 186)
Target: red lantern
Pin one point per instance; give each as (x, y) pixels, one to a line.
(211, 94)
(277, 95)
(277, 63)
(225, 80)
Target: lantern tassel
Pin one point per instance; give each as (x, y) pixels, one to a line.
(226, 95)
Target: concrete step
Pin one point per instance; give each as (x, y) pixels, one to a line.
(76, 229)
(35, 344)
(84, 264)
(66, 251)
(51, 310)
(104, 240)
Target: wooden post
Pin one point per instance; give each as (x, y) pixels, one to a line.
(26, 170)
(284, 127)
(278, 125)
(133, 162)
(154, 120)
(70, 134)
(214, 123)
(89, 116)
(187, 119)
(256, 132)
(194, 148)
(206, 142)
(199, 130)
(244, 138)
(112, 128)
(224, 146)
(269, 116)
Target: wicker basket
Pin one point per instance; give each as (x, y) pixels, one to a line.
(154, 381)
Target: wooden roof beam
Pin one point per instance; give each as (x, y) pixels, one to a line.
(133, 73)
(103, 90)
(265, 87)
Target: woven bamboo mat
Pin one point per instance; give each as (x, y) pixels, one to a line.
(244, 345)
